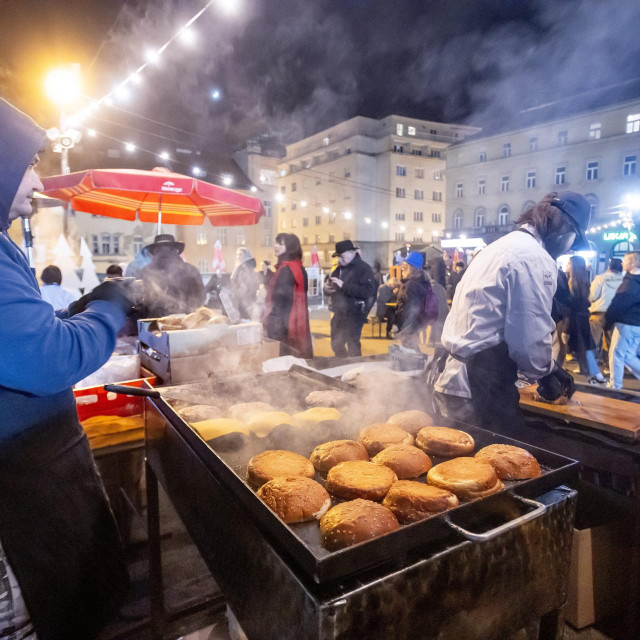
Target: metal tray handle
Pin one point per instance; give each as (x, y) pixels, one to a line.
(538, 510)
(132, 391)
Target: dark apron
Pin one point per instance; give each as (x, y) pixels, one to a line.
(494, 402)
(58, 531)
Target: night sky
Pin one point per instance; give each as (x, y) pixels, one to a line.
(293, 67)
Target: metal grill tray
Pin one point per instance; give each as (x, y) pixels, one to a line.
(302, 541)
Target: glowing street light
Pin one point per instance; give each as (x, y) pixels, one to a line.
(164, 155)
(347, 215)
(279, 197)
(130, 147)
(63, 86)
(197, 171)
(229, 7)
(385, 225)
(187, 35)
(91, 133)
(303, 204)
(216, 94)
(227, 180)
(121, 92)
(152, 56)
(632, 200)
(325, 209)
(254, 189)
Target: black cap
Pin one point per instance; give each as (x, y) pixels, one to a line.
(343, 246)
(165, 240)
(577, 208)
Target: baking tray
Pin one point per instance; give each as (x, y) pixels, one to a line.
(227, 457)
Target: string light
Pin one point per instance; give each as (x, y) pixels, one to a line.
(164, 155)
(130, 147)
(91, 133)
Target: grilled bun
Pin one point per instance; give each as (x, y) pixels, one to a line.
(316, 414)
(328, 398)
(411, 421)
(329, 454)
(200, 412)
(355, 521)
(210, 429)
(244, 410)
(404, 460)
(412, 501)
(510, 463)
(442, 441)
(276, 463)
(295, 498)
(262, 423)
(359, 479)
(377, 437)
(467, 478)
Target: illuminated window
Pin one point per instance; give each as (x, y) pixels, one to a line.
(411, 131)
(633, 123)
(595, 131)
(629, 166)
(400, 129)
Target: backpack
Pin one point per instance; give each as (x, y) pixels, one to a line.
(431, 306)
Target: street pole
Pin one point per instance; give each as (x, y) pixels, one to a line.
(64, 169)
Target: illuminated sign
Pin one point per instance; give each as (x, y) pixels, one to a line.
(629, 236)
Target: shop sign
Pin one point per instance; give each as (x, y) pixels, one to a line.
(615, 236)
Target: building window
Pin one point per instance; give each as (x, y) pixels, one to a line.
(397, 148)
(348, 151)
(594, 203)
(317, 239)
(506, 149)
(437, 175)
(629, 166)
(533, 144)
(267, 208)
(482, 187)
(137, 244)
(433, 132)
(437, 196)
(434, 153)
(478, 217)
(294, 223)
(503, 215)
(527, 205)
(201, 238)
(318, 219)
(283, 209)
(399, 192)
(241, 239)
(294, 206)
(418, 216)
(266, 238)
(332, 239)
(400, 129)
(305, 222)
(333, 217)
(417, 238)
(294, 186)
(346, 236)
(400, 170)
(105, 244)
(592, 170)
(222, 234)
(595, 131)
(436, 217)
(457, 219)
(283, 189)
(305, 240)
(347, 173)
(504, 184)
(411, 131)
(116, 244)
(416, 151)
(563, 138)
(203, 265)
(419, 173)
(399, 236)
(482, 157)
(399, 216)
(96, 246)
(459, 190)
(531, 179)
(418, 194)
(633, 123)
(561, 175)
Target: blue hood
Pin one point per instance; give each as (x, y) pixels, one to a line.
(20, 139)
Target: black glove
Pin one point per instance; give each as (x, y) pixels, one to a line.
(556, 384)
(115, 291)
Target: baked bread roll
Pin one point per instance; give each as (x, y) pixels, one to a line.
(276, 463)
(355, 521)
(328, 398)
(510, 463)
(244, 410)
(262, 423)
(329, 454)
(411, 421)
(199, 412)
(359, 479)
(468, 478)
(442, 441)
(404, 460)
(377, 437)
(316, 414)
(210, 429)
(295, 498)
(412, 501)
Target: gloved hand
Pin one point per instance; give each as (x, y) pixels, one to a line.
(115, 291)
(556, 384)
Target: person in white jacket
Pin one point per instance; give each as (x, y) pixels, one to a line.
(603, 288)
(500, 320)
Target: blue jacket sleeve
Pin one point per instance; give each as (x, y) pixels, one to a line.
(42, 354)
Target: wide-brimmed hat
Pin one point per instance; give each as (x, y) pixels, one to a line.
(343, 246)
(165, 240)
(578, 209)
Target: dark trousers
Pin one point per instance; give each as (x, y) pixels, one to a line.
(345, 335)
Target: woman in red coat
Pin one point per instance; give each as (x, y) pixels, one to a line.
(287, 314)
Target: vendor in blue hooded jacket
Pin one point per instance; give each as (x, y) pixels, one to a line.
(60, 554)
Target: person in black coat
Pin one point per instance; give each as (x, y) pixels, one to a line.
(411, 317)
(387, 293)
(244, 282)
(352, 288)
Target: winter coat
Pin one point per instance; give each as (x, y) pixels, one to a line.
(244, 282)
(441, 296)
(171, 285)
(56, 527)
(579, 331)
(603, 288)
(410, 312)
(385, 294)
(358, 291)
(625, 306)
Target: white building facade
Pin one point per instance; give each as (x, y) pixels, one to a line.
(379, 183)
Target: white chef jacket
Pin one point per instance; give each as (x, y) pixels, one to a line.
(505, 295)
(58, 297)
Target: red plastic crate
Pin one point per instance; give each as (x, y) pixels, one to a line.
(95, 401)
